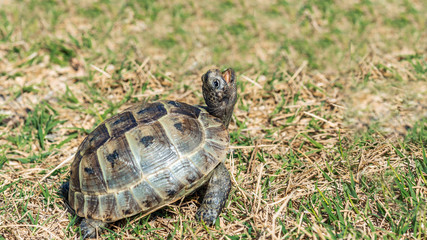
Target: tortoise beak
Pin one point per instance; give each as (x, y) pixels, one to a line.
(228, 75)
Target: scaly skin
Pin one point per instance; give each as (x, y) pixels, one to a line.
(216, 195)
(91, 228)
(220, 93)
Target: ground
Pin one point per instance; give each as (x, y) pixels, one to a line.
(328, 139)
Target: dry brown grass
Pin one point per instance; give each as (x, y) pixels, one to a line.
(307, 123)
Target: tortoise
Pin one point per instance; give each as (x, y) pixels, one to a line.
(153, 154)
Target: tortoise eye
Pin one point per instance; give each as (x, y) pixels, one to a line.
(216, 83)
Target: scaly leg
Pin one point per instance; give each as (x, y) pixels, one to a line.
(91, 228)
(216, 195)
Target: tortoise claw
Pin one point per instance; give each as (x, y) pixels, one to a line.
(91, 228)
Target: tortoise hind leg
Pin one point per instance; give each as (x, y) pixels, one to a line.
(64, 189)
(90, 228)
(216, 195)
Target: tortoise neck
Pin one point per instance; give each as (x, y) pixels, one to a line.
(224, 112)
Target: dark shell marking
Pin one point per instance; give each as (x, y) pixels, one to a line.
(92, 205)
(204, 161)
(145, 158)
(155, 156)
(145, 195)
(187, 136)
(89, 170)
(178, 127)
(209, 121)
(149, 113)
(92, 142)
(94, 178)
(112, 157)
(79, 201)
(120, 123)
(118, 164)
(184, 109)
(147, 140)
(127, 203)
(186, 172)
(110, 210)
(166, 184)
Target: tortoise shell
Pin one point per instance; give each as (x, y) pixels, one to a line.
(144, 158)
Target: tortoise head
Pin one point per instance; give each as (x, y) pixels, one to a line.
(220, 93)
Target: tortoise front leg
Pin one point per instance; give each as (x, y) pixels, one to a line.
(216, 195)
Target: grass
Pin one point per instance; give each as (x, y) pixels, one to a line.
(328, 136)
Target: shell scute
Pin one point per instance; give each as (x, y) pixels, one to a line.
(209, 121)
(110, 211)
(120, 123)
(92, 142)
(204, 161)
(79, 203)
(218, 134)
(92, 206)
(165, 183)
(186, 172)
(95, 139)
(92, 176)
(151, 147)
(118, 164)
(74, 173)
(149, 113)
(145, 195)
(127, 203)
(184, 132)
(183, 109)
(215, 149)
